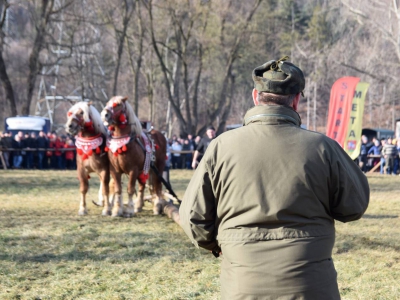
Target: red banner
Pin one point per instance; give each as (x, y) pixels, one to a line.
(342, 94)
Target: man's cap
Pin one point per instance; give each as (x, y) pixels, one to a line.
(279, 77)
(210, 128)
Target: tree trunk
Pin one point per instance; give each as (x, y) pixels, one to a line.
(5, 80)
(7, 87)
(121, 41)
(47, 7)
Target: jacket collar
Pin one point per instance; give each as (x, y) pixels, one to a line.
(272, 115)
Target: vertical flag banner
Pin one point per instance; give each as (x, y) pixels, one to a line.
(352, 144)
(341, 99)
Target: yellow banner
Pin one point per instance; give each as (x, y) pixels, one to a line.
(352, 144)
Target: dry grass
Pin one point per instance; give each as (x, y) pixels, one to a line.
(48, 252)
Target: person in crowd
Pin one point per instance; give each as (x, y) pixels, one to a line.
(397, 157)
(176, 161)
(50, 151)
(30, 144)
(375, 150)
(56, 144)
(363, 158)
(197, 140)
(17, 154)
(63, 140)
(6, 143)
(25, 141)
(41, 144)
(70, 154)
(383, 161)
(202, 146)
(187, 157)
(389, 152)
(191, 142)
(265, 197)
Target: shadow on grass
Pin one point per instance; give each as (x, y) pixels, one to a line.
(366, 216)
(355, 242)
(114, 248)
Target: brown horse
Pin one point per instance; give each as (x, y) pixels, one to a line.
(131, 152)
(84, 121)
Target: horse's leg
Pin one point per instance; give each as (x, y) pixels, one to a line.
(139, 202)
(130, 211)
(105, 192)
(118, 209)
(84, 186)
(111, 193)
(156, 191)
(100, 194)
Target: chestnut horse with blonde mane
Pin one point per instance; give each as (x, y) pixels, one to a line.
(84, 122)
(131, 152)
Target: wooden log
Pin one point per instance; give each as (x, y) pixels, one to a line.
(172, 212)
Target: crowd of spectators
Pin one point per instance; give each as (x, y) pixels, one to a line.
(43, 151)
(385, 151)
(180, 151)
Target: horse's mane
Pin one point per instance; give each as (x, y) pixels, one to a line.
(90, 113)
(133, 120)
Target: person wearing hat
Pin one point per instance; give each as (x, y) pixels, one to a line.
(265, 197)
(203, 145)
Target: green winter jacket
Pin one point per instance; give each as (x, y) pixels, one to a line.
(267, 195)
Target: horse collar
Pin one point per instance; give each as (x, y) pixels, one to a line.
(117, 145)
(86, 145)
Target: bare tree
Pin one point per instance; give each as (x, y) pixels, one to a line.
(5, 80)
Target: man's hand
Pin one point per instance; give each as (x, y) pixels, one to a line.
(194, 164)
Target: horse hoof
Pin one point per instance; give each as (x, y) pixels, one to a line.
(138, 210)
(118, 213)
(82, 213)
(106, 213)
(128, 215)
(158, 209)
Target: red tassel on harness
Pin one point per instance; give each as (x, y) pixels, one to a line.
(115, 153)
(89, 124)
(106, 149)
(156, 146)
(80, 152)
(115, 104)
(119, 150)
(124, 148)
(84, 156)
(122, 118)
(143, 178)
(98, 150)
(69, 114)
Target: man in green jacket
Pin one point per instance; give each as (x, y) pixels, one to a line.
(266, 196)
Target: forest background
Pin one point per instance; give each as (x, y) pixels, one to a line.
(185, 64)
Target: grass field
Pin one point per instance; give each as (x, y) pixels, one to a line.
(48, 252)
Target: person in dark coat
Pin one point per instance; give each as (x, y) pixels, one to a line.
(6, 143)
(41, 144)
(265, 197)
(17, 154)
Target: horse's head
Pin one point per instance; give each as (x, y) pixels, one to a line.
(114, 113)
(78, 118)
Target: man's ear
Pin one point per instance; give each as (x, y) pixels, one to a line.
(255, 94)
(296, 101)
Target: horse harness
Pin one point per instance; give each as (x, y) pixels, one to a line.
(117, 145)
